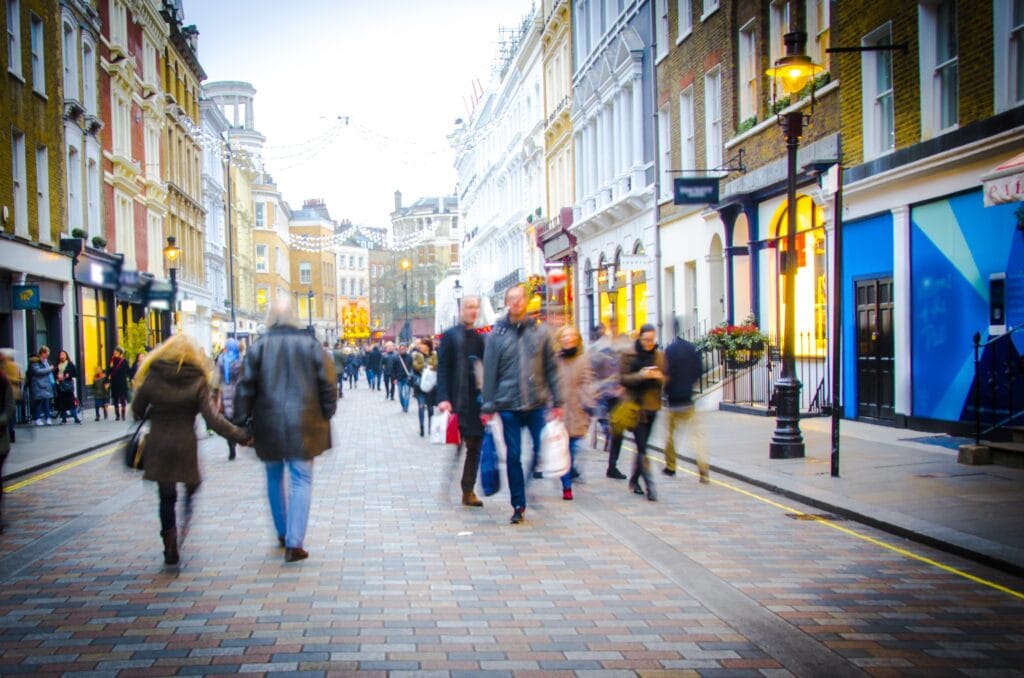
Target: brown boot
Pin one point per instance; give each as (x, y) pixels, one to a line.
(170, 546)
(470, 499)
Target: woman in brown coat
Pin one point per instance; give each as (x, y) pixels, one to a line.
(643, 375)
(173, 386)
(577, 379)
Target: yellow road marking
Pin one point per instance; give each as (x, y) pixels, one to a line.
(60, 469)
(853, 533)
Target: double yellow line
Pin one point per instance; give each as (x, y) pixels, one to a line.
(871, 540)
(105, 452)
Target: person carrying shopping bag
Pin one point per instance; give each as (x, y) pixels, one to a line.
(642, 375)
(577, 379)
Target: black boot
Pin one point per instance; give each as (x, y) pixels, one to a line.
(170, 538)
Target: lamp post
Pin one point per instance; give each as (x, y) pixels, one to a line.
(457, 292)
(309, 311)
(407, 329)
(171, 254)
(793, 72)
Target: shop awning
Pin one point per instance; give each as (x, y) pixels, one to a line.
(1005, 183)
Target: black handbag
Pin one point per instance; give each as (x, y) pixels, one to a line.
(135, 447)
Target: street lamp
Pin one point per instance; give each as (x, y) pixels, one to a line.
(407, 329)
(171, 254)
(457, 292)
(792, 72)
(309, 310)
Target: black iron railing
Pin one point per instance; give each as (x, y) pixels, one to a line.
(711, 361)
(998, 382)
(749, 377)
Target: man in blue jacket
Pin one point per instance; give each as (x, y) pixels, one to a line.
(683, 368)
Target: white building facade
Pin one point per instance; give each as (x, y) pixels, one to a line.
(218, 315)
(500, 165)
(614, 141)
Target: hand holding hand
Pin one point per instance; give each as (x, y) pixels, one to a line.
(485, 419)
(555, 413)
(444, 406)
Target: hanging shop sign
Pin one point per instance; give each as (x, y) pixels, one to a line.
(25, 297)
(696, 191)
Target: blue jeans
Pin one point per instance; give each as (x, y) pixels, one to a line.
(574, 444)
(41, 408)
(371, 377)
(290, 515)
(403, 395)
(512, 423)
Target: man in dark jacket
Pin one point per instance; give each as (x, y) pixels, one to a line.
(339, 358)
(288, 395)
(388, 365)
(683, 369)
(373, 367)
(520, 378)
(458, 389)
(403, 376)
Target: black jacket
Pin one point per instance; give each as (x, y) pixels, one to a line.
(373, 359)
(456, 382)
(288, 393)
(520, 371)
(683, 368)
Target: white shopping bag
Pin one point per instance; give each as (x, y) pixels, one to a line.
(555, 460)
(438, 428)
(498, 432)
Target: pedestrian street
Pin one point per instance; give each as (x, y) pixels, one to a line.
(712, 580)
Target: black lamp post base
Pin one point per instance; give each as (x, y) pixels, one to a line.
(787, 441)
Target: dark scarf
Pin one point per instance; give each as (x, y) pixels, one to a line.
(569, 352)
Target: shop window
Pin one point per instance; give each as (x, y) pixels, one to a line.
(811, 277)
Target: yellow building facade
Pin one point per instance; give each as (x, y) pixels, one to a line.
(272, 261)
(314, 271)
(242, 270)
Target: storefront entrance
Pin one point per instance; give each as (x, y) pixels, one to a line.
(875, 360)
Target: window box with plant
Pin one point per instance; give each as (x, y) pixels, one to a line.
(740, 345)
(99, 242)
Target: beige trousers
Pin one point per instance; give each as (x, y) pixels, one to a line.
(685, 417)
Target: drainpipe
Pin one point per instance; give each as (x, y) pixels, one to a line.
(657, 173)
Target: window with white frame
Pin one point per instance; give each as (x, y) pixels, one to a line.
(305, 273)
(713, 118)
(14, 37)
(818, 25)
(152, 149)
(709, 8)
(149, 69)
(20, 176)
(261, 209)
(778, 26)
(92, 186)
(1008, 19)
(124, 228)
(661, 7)
(155, 243)
(687, 131)
(665, 150)
(261, 259)
(89, 77)
(118, 26)
(877, 102)
(939, 67)
(37, 46)
(748, 72)
(122, 124)
(70, 56)
(43, 193)
(684, 19)
(74, 172)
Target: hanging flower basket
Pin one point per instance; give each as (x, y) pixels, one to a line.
(740, 345)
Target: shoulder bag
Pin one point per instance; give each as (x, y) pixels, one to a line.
(135, 447)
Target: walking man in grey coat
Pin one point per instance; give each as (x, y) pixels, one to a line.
(288, 394)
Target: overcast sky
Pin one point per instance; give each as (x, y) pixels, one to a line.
(401, 69)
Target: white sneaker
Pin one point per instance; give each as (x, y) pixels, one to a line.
(39, 422)
(49, 422)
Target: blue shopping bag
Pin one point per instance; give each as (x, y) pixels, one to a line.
(490, 480)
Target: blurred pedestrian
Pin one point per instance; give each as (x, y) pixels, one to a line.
(339, 358)
(459, 377)
(172, 388)
(117, 381)
(226, 375)
(100, 392)
(577, 381)
(288, 395)
(642, 375)
(6, 417)
(605, 356)
(352, 367)
(14, 375)
(683, 369)
(66, 375)
(373, 367)
(404, 376)
(520, 379)
(388, 365)
(40, 386)
(423, 357)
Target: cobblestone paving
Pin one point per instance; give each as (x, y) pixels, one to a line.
(402, 580)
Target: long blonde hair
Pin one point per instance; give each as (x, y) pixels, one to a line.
(181, 349)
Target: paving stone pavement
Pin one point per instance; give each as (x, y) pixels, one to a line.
(402, 580)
